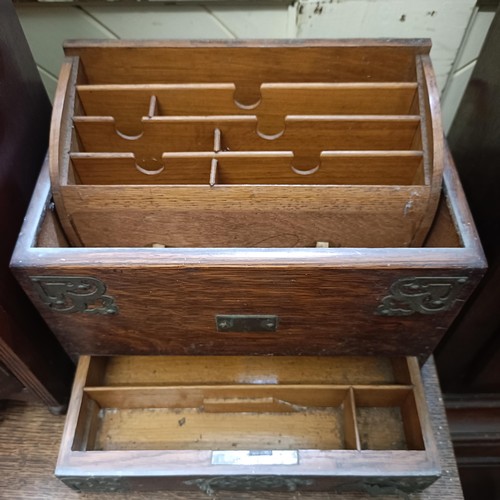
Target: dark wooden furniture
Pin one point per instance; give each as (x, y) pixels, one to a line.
(32, 363)
(469, 358)
(163, 248)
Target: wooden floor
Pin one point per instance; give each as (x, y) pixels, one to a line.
(30, 435)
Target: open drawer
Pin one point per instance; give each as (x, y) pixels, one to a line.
(247, 423)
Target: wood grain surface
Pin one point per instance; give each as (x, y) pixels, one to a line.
(331, 292)
(129, 103)
(30, 437)
(300, 97)
(270, 61)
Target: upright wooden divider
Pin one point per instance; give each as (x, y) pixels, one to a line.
(128, 103)
(251, 167)
(351, 432)
(305, 135)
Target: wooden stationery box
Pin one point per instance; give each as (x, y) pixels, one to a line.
(241, 272)
(212, 204)
(240, 423)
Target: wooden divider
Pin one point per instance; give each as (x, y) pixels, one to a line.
(306, 136)
(248, 64)
(248, 167)
(128, 104)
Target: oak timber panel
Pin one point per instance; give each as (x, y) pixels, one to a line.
(332, 292)
(171, 310)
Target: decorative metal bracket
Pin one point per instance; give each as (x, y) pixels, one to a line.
(69, 294)
(425, 295)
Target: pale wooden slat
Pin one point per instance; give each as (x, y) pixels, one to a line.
(373, 168)
(176, 370)
(314, 61)
(296, 396)
(128, 103)
(200, 216)
(307, 136)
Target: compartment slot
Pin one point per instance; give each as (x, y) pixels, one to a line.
(98, 134)
(236, 417)
(121, 168)
(198, 216)
(384, 419)
(341, 168)
(295, 397)
(159, 429)
(302, 133)
(249, 66)
(128, 103)
(306, 137)
(87, 425)
(280, 99)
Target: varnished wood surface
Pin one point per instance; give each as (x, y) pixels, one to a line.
(368, 168)
(29, 440)
(129, 103)
(324, 287)
(301, 97)
(143, 398)
(271, 61)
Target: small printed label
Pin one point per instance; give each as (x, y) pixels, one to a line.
(255, 457)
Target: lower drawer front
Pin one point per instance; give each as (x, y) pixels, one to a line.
(247, 423)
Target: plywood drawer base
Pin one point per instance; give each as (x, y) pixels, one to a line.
(247, 423)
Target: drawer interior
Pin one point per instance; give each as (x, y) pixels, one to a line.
(248, 403)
